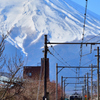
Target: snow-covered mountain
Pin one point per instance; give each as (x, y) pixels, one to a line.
(62, 20)
(29, 20)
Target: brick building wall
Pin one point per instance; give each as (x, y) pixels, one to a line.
(36, 72)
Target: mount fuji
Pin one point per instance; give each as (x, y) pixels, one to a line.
(62, 20)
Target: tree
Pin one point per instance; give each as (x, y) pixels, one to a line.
(33, 92)
(14, 85)
(2, 47)
(15, 88)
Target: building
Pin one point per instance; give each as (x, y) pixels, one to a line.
(36, 72)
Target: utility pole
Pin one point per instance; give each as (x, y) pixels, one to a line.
(97, 73)
(83, 93)
(45, 68)
(91, 82)
(56, 81)
(62, 87)
(45, 56)
(87, 88)
(84, 85)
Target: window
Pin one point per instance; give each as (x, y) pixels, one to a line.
(29, 74)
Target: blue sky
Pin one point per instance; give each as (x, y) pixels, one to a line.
(93, 5)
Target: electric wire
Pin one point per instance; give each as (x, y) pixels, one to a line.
(64, 61)
(61, 62)
(94, 75)
(98, 41)
(91, 45)
(59, 55)
(92, 38)
(86, 54)
(92, 59)
(89, 61)
(61, 58)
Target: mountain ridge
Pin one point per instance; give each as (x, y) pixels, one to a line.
(62, 20)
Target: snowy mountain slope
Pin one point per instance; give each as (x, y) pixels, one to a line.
(62, 20)
(30, 19)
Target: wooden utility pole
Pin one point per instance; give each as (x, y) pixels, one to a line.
(91, 82)
(45, 68)
(84, 85)
(83, 98)
(62, 87)
(56, 81)
(97, 73)
(45, 56)
(87, 88)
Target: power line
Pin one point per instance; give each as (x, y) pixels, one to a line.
(91, 45)
(92, 38)
(61, 61)
(59, 55)
(92, 59)
(98, 41)
(89, 61)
